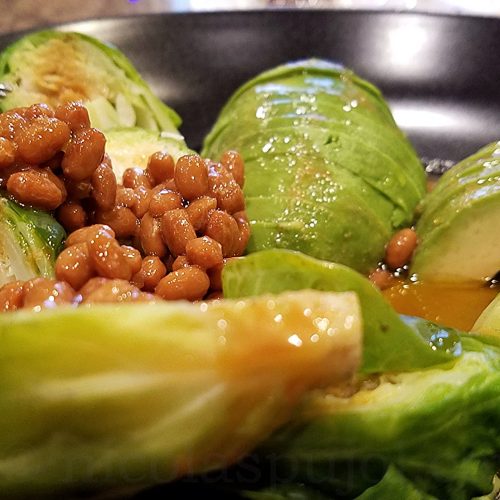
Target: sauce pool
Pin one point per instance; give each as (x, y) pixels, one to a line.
(452, 305)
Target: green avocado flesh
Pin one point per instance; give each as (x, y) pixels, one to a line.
(457, 227)
(55, 67)
(327, 171)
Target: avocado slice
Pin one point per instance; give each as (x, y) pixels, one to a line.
(458, 234)
(327, 170)
(333, 221)
(328, 128)
(314, 107)
(476, 169)
(332, 78)
(316, 174)
(357, 150)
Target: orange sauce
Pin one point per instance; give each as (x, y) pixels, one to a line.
(457, 306)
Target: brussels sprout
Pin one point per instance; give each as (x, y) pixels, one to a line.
(31, 240)
(55, 67)
(130, 395)
(327, 171)
(389, 343)
(438, 426)
(132, 147)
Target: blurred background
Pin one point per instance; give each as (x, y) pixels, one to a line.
(26, 14)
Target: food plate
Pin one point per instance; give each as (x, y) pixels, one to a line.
(439, 73)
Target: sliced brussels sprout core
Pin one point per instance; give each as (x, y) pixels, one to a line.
(132, 147)
(31, 240)
(438, 426)
(55, 67)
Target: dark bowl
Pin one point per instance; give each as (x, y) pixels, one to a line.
(440, 73)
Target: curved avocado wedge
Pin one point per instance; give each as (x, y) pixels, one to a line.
(333, 78)
(389, 343)
(302, 215)
(276, 220)
(293, 124)
(457, 229)
(93, 400)
(276, 176)
(324, 110)
(342, 147)
(475, 170)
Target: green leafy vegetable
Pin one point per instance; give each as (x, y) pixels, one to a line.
(439, 427)
(31, 240)
(131, 395)
(327, 170)
(132, 147)
(56, 67)
(389, 342)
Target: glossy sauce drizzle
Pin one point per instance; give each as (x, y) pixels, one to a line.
(452, 305)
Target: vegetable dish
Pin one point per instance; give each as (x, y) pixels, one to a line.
(169, 316)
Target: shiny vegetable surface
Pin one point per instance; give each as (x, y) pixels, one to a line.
(389, 342)
(328, 172)
(30, 242)
(457, 239)
(130, 395)
(131, 147)
(438, 427)
(343, 397)
(430, 433)
(56, 67)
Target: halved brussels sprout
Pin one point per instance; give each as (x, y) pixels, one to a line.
(56, 67)
(130, 395)
(31, 240)
(132, 147)
(389, 343)
(438, 427)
